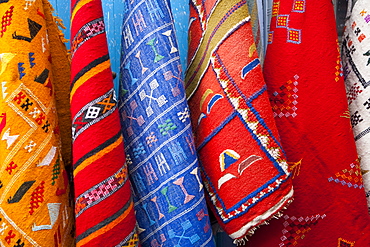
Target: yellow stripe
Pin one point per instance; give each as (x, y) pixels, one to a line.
(78, 6)
(205, 95)
(97, 156)
(106, 228)
(97, 69)
(220, 11)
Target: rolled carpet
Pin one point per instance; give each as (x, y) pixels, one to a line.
(161, 157)
(104, 208)
(356, 62)
(35, 203)
(244, 167)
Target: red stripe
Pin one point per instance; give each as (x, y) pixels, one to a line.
(85, 95)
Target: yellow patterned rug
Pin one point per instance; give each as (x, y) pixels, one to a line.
(35, 209)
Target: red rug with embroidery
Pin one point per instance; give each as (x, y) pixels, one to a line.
(304, 78)
(244, 168)
(104, 208)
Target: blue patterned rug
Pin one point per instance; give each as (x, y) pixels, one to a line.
(161, 156)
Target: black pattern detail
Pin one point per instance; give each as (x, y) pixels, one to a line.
(97, 149)
(367, 104)
(19, 243)
(367, 54)
(42, 77)
(21, 192)
(34, 28)
(356, 119)
(364, 83)
(104, 222)
(89, 67)
(94, 112)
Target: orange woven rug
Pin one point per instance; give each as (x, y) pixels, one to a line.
(35, 209)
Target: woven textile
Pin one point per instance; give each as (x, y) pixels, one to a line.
(356, 63)
(104, 207)
(162, 160)
(245, 171)
(307, 93)
(35, 209)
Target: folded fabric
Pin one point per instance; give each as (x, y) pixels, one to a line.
(104, 208)
(356, 63)
(244, 168)
(61, 69)
(35, 208)
(161, 157)
(307, 93)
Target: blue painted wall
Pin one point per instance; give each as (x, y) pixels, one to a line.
(113, 14)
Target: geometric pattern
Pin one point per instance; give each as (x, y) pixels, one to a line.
(296, 228)
(101, 191)
(268, 142)
(299, 6)
(103, 203)
(345, 243)
(284, 102)
(88, 31)
(338, 67)
(282, 21)
(6, 20)
(355, 60)
(293, 35)
(130, 241)
(275, 8)
(351, 177)
(353, 92)
(93, 112)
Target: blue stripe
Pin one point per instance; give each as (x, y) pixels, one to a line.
(217, 130)
(249, 100)
(247, 68)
